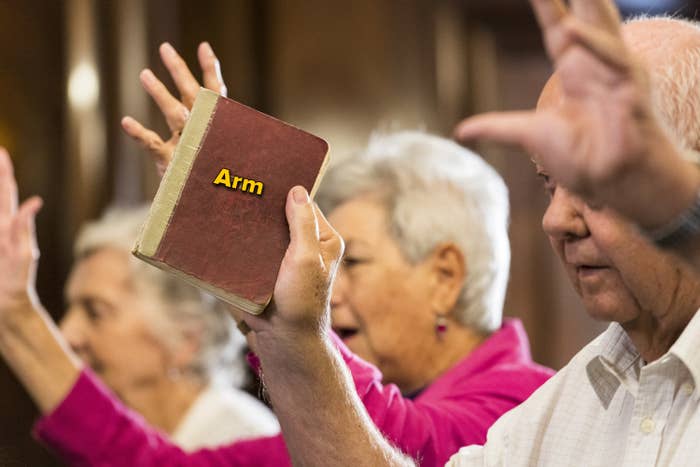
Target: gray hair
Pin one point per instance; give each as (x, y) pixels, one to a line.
(675, 82)
(181, 310)
(435, 191)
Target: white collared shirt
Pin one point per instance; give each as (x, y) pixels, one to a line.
(605, 408)
(221, 415)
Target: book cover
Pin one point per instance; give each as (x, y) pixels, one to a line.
(218, 218)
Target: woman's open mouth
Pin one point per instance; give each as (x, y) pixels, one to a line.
(345, 332)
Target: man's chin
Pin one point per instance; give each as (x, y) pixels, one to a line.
(608, 308)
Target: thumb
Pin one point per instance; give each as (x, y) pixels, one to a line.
(303, 227)
(332, 245)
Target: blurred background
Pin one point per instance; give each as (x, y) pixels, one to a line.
(69, 72)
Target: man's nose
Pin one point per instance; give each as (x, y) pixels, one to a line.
(564, 216)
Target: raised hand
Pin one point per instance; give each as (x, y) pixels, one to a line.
(297, 357)
(174, 110)
(302, 292)
(601, 139)
(29, 340)
(18, 249)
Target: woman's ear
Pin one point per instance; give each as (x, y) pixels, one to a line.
(188, 347)
(449, 270)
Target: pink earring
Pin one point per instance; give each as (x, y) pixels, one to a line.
(440, 326)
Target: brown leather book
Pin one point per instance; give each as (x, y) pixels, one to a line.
(218, 219)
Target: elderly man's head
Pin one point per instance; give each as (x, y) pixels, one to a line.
(618, 273)
(134, 324)
(425, 225)
(670, 49)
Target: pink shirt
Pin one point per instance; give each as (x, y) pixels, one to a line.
(92, 428)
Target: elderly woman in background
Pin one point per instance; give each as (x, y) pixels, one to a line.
(423, 279)
(169, 351)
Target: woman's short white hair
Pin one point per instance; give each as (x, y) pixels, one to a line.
(182, 311)
(435, 191)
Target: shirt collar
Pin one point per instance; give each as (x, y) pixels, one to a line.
(687, 349)
(615, 356)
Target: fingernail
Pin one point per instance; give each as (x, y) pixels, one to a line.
(39, 204)
(300, 195)
(168, 49)
(5, 160)
(148, 76)
(208, 48)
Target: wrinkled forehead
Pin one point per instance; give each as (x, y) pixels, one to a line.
(549, 98)
(101, 268)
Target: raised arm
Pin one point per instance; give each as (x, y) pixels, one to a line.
(175, 111)
(109, 433)
(29, 341)
(322, 417)
(604, 141)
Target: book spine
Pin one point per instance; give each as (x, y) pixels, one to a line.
(177, 173)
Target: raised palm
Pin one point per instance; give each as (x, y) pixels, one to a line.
(600, 122)
(175, 111)
(18, 251)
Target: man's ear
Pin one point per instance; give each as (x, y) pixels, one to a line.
(448, 268)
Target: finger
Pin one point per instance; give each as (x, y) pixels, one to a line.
(246, 322)
(181, 74)
(243, 327)
(174, 111)
(8, 186)
(236, 314)
(600, 13)
(332, 245)
(148, 139)
(23, 227)
(542, 135)
(511, 128)
(211, 69)
(607, 47)
(303, 228)
(549, 13)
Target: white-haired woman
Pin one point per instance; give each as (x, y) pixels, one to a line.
(166, 349)
(427, 255)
